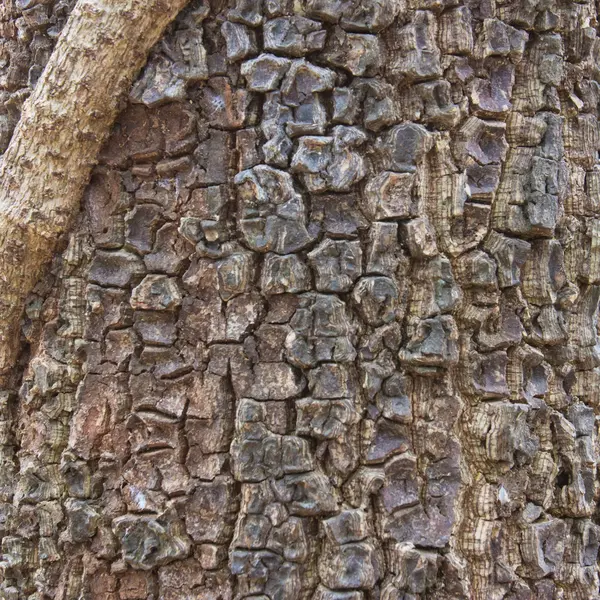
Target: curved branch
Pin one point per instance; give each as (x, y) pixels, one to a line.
(62, 128)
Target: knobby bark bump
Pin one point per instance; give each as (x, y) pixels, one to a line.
(62, 128)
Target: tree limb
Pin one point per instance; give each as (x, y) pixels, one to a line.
(62, 128)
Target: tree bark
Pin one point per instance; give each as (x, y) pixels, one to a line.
(327, 324)
(62, 128)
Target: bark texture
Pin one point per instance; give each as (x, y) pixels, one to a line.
(326, 326)
(61, 130)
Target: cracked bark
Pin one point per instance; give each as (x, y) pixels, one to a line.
(326, 325)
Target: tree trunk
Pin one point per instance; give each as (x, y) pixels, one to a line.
(326, 325)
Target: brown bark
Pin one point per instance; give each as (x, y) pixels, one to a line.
(62, 128)
(327, 325)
